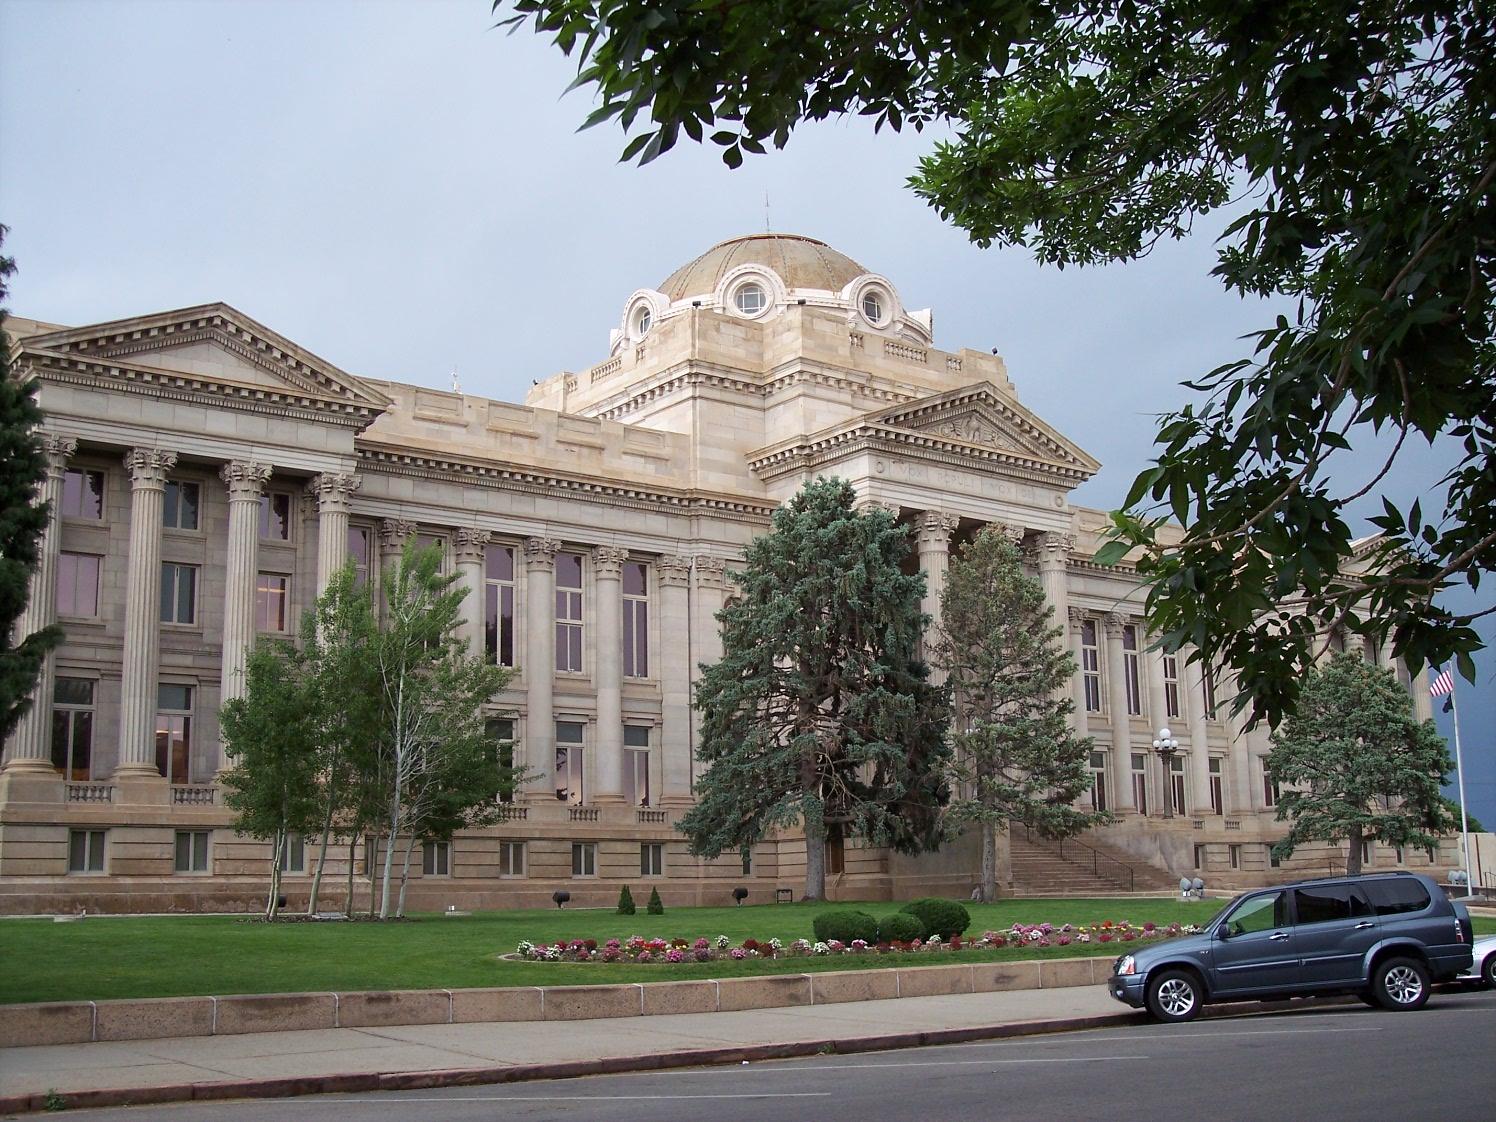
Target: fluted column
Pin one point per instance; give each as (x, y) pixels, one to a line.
(30, 743)
(607, 575)
(1199, 739)
(675, 680)
(1423, 701)
(540, 674)
(1080, 720)
(142, 650)
(709, 594)
(935, 529)
(471, 549)
(1121, 723)
(334, 494)
(1237, 799)
(245, 481)
(1052, 552)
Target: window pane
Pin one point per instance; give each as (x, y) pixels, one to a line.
(568, 570)
(499, 562)
(171, 502)
(634, 575)
(200, 852)
(184, 852)
(186, 594)
(168, 591)
(73, 691)
(174, 697)
(568, 732)
(62, 732)
(636, 736)
(189, 506)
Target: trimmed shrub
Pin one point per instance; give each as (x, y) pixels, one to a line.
(940, 917)
(844, 926)
(900, 928)
(654, 907)
(626, 902)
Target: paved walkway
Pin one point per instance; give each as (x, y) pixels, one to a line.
(225, 1066)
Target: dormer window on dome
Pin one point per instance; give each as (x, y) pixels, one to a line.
(750, 298)
(873, 307)
(642, 319)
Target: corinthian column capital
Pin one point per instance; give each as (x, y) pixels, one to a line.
(58, 450)
(1115, 623)
(148, 467)
(333, 491)
(540, 553)
(607, 562)
(471, 544)
(675, 571)
(710, 571)
(245, 479)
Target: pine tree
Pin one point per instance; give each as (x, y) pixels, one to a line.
(626, 902)
(655, 907)
(820, 713)
(23, 468)
(1008, 673)
(1356, 766)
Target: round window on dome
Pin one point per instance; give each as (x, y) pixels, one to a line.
(872, 306)
(750, 299)
(642, 322)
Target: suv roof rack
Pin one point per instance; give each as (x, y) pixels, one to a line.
(1358, 876)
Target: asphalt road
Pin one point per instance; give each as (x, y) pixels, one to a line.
(1324, 1064)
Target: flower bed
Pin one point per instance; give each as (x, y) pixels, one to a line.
(637, 949)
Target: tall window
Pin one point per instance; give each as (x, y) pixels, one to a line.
(651, 859)
(636, 765)
(1098, 781)
(178, 593)
(569, 762)
(584, 859)
(1217, 790)
(511, 859)
(836, 851)
(1090, 665)
(179, 510)
(426, 541)
(77, 584)
(1270, 792)
(293, 854)
(1130, 670)
(500, 730)
(436, 858)
(1208, 688)
(85, 851)
(569, 612)
(192, 851)
(275, 516)
(174, 732)
(498, 605)
(272, 593)
(635, 620)
(1171, 685)
(1140, 781)
(72, 727)
(82, 494)
(1176, 785)
(358, 552)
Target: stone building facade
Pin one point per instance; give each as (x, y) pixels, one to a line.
(208, 475)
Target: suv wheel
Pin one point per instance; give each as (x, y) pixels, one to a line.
(1174, 995)
(1488, 973)
(1400, 983)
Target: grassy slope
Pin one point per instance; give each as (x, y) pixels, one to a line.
(110, 957)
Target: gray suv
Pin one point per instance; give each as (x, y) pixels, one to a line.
(1385, 938)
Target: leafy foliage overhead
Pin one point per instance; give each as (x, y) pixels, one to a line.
(1356, 142)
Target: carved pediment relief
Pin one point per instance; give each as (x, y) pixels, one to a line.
(972, 428)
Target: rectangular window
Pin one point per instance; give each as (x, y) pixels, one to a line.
(569, 762)
(83, 494)
(1171, 686)
(272, 598)
(1208, 688)
(358, 552)
(426, 541)
(747, 861)
(1140, 781)
(1090, 662)
(584, 859)
(1098, 781)
(275, 516)
(85, 851)
(511, 859)
(72, 728)
(293, 854)
(1217, 788)
(179, 509)
(1199, 857)
(174, 732)
(1270, 792)
(635, 620)
(569, 613)
(836, 852)
(192, 851)
(651, 860)
(178, 593)
(1272, 858)
(1176, 785)
(1130, 670)
(1235, 856)
(78, 584)
(636, 765)
(500, 730)
(436, 859)
(498, 605)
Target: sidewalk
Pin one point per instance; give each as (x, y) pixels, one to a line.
(354, 1059)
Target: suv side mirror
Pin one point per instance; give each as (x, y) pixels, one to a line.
(1223, 931)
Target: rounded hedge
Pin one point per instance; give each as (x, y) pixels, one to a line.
(900, 928)
(940, 917)
(845, 925)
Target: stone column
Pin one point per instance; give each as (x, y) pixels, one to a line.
(334, 494)
(1199, 740)
(1238, 797)
(1052, 553)
(142, 651)
(246, 482)
(471, 549)
(1081, 720)
(709, 595)
(1121, 721)
(31, 742)
(935, 530)
(540, 673)
(607, 574)
(1423, 701)
(675, 681)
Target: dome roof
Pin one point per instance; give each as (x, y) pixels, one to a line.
(799, 262)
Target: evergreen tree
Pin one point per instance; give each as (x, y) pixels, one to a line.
(1356, 766)
(1008, 676)
(655, 907)
(820, 713)
(626, 902)
(23, 468)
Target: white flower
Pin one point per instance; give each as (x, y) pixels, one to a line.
(776, 944)
(933, 941)
(525, 947)
(821, 948)
(723, 942)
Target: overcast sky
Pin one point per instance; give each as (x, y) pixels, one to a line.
(402, 190)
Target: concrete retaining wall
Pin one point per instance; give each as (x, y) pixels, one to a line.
(83, 1022)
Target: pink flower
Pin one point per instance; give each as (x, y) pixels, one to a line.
(739, 952)
(644, 956)
(673, 955)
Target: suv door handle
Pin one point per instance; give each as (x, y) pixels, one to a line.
(1278, 937)
(1363, 925)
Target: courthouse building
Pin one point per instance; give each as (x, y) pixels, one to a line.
(207, 475)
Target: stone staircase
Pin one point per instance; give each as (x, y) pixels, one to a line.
(1079, 867)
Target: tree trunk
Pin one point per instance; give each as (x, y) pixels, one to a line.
(405, 875)
(311, 904)
(389, 857)
(352, 856)
(989, 861)
(1353, 856)
(373, 879)
(273, 903)
(815, 860)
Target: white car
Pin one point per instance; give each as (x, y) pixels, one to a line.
(1483, 969)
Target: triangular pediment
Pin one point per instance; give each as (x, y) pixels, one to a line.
(213, 345)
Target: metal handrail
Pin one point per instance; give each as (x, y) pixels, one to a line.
(1096, 861)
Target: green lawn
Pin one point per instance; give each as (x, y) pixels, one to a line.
(165, 956)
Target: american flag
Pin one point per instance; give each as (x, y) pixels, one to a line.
(1442, 685)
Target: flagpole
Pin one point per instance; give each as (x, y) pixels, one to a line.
(1459, 766)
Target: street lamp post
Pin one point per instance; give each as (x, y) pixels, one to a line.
(1166, 745)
